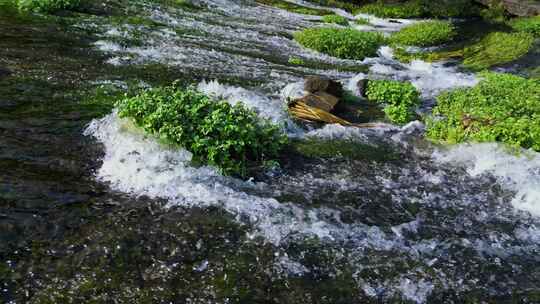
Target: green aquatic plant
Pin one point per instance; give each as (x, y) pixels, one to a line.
(497, 48)
(428, 33)
(362, 21)
(337, 19)
(342, 43)
(502, 107)
(400, 99)
(46, 6)
(217, 133)
(296, 61)
(527, 25)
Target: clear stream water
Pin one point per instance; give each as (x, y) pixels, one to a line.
(91, 208)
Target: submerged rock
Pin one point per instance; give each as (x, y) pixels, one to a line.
(362, 86)
(4, 72)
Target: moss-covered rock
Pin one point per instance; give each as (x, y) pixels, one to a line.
(496, 49)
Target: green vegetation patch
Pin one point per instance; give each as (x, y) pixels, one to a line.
(496, 13)
(345, 5)
(427, 33)
(422, 8)
(46, 6)
(527, 25)
(362, 21)
(497, 48)
(341, 43)
(400, 99)
(337, 19)
(411, 9)
(215, 132)
(296, 61)
(502, 107)
(295, 8)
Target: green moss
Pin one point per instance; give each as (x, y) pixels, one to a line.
(345, 5)
(427, 33)
(422, 8)
(450, 8)
(527, 25)
(295, 8)
(45, 6)
(496, 13)
(400, 99)
(323, 148)
(411, 9)
(337, 19)
(496, 49)
(215, 132)
(502, 107)
(341, 43)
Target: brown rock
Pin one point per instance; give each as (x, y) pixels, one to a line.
(321, 100)
(316, 84)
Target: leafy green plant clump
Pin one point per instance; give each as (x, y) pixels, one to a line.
(502, 107)
(229, 137)
(400, 99)
(341, 43)
(427, 33)
(527, 25)
(296, 61)
(337, 19)
(497, 48)
(46, 6)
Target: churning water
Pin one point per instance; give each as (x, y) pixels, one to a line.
(432, 219)
(399, 220)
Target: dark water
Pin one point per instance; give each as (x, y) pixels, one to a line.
(382, 223)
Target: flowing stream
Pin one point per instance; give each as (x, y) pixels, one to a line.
(91, 208)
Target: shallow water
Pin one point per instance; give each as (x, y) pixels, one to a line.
(94, 209)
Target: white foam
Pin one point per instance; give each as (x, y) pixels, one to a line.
(415, 291)
(266, 107)
(520, 173)
(382, 24)
(429, 78)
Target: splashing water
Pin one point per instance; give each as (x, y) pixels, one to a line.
(438, 217)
